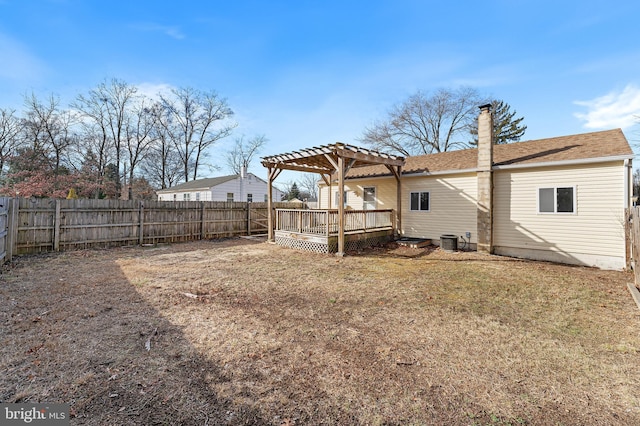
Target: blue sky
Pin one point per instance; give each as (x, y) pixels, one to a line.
(307, 73)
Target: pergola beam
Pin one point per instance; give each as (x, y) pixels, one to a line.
(328, 160)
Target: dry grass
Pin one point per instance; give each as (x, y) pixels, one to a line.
(277, 336)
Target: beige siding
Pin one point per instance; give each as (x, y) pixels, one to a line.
(596, 230)
(452, 206)
(452, 203)
(385, 194)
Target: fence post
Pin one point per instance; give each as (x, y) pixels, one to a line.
(141, 223)
(248, 218)
(202, 230)
(12, 228)
(56, 228)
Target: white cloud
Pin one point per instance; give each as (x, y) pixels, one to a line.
(18, 63)
(615, 109)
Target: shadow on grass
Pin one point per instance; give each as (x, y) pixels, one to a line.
(75, 331)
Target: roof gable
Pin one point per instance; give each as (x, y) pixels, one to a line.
(585, 146)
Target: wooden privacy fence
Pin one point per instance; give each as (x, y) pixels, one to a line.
(40, 225)
(633, 240)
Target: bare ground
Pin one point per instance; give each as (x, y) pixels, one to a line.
(245, 332)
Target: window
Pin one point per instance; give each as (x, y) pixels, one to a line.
(266, 198)
(186, 196)
(175, 197)
(229, 197)
(197, 196)
(337, 202)
(420, 201)
(556, 200)
(249, 198)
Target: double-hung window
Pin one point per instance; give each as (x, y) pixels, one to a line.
(561, 199)
(419, 201)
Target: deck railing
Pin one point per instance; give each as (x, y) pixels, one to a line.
(325, 222)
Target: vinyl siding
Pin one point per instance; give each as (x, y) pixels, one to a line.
(596, 229)
(251, 185)
(205, 195)
(385, 194)
(452, 203)
(452, 206)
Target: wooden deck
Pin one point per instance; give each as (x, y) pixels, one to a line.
(317, 230)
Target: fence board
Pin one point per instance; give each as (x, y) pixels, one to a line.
(4, 227)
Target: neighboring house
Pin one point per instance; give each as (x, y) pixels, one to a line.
(245, 187)
(560, 199)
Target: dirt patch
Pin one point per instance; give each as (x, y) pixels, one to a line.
(244, 332)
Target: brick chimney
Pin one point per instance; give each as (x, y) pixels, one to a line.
(485, 179)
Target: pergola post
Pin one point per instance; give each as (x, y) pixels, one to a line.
(398, 201)
(272, 174)
(340, 252)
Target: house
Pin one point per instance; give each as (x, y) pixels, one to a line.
(559, 199)
(243, 187)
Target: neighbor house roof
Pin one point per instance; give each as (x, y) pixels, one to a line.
(582, 147)
(200, 184)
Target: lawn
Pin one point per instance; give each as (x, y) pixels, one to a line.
(244, 332)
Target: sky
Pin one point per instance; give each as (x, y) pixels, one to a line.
(308, 73)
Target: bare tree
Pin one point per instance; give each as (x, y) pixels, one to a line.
(95, 144)
(424, 124)
(139, 136)
(162, 165)
(10, 128)
(195, 120)
(49, 129)
(309, 184)
(109, 106)
(244, 152)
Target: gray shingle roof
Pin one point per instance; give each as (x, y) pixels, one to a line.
(206, 183)
(585, 146)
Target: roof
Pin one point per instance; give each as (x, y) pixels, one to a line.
(581, 147)
(200, 184)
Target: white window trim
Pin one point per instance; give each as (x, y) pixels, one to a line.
(555, 200)
(375, 196)
(419, 209)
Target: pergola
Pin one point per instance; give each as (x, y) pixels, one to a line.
(331, 160)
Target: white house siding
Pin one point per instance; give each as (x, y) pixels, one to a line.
(250, 185)
(452, 206)
(205, 195)
(241, 187)
(593, 236)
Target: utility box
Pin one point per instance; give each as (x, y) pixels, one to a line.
(449, 242)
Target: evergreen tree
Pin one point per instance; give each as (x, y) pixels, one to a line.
(294, 192)
(506, 128)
